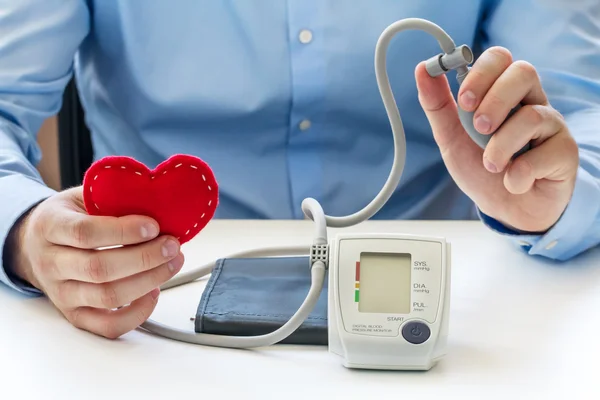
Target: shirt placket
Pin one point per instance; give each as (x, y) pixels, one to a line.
(308, 68)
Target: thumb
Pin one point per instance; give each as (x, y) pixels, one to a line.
(440, 108)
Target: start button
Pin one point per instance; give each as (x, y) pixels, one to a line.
(416, 332)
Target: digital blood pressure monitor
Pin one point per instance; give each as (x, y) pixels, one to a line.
(389, 298)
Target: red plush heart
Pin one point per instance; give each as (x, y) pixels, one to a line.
(181, 193)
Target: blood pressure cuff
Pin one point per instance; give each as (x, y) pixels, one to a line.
(255, 296)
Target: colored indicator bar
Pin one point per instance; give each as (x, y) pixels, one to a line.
(357, 283)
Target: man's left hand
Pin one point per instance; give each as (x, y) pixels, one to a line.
(530, 192)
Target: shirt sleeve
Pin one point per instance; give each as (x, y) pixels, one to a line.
(562, 40)
(38, 42)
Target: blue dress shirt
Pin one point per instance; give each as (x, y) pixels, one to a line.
(280, 98)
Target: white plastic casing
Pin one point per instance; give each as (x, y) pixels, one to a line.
(375, 340)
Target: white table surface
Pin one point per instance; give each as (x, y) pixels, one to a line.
(520, 328)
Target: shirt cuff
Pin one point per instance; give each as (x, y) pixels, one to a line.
(19, 194)
(577, 230)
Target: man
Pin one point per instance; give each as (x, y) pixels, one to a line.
(280, 98)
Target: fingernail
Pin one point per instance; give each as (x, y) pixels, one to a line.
(175, 264)
(468, 99)
(483, 124)
(154, 293)
(490, 166)
(170, 248)
(149, 231)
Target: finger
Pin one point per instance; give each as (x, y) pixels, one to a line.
(75, 229)
(119, 293)
(553, 160)
(486, 69)
(113, 324)
(535, 123)
(440, 108)
(518, 84)
(99, 266)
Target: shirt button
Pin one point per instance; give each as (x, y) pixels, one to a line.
(305, 36)
(304, 125)
(551, 245)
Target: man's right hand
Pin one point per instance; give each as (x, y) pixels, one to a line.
(107, 292)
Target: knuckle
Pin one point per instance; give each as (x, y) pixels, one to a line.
(158, 276)
(109, 297)
(45, 263)
(120, 234)
(446, 144)
(146, 260)
(96, 268)
(523, 168)
(552, 113)
(81, 231)
(495, 153)
(73, 318)
(62, 293)
(572, 145)
(569, 145)
(475, 77)
(493, 102)
(117, 232)
(109, 328)
(535, 114)
(526, 69)
(39, 224)
(557, 114)
(48, 226)
(140, 317)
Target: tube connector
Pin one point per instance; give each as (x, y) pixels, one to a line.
(319, 252)
(458, 59)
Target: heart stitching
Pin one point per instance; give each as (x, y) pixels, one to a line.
(128, 165)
